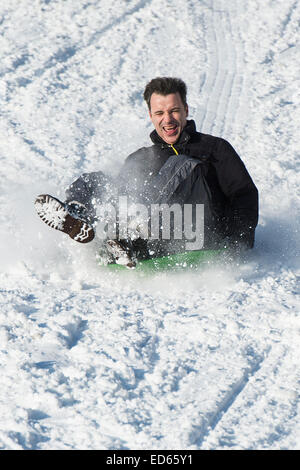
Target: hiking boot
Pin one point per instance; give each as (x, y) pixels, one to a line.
(120, 253)
(60, 216)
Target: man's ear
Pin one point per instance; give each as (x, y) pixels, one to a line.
(187, 110)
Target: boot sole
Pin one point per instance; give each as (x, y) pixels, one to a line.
(54, 213)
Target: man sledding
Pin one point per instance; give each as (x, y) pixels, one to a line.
(196, 175)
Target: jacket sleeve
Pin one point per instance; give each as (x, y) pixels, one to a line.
(241, 194)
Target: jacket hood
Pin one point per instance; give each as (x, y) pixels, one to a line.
(184, 137)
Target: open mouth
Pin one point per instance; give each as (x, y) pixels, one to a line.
(171, 130)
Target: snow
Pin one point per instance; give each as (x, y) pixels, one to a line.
(206, 359)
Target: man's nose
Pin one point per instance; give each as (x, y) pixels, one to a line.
(168, 117)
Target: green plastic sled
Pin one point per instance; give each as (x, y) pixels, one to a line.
(185, 260)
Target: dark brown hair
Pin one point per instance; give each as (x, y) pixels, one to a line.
(164, 86)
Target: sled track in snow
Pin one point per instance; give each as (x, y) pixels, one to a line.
(224, 80)
(247, 404)
(230, 397)
(63, 55)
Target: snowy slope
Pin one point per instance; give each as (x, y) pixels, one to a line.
(199, 360)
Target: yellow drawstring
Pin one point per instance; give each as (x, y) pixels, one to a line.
(174, 149)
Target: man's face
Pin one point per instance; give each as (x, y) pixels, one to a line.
(168, 115)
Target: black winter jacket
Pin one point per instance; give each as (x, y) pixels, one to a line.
(233, 193)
